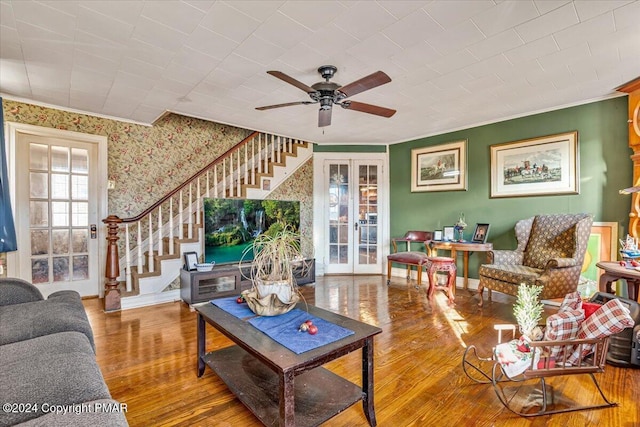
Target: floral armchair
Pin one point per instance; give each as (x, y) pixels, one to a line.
(550, 254)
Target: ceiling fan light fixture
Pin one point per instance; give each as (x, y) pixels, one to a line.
(328, 93)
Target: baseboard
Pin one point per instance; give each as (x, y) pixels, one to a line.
(150, 299)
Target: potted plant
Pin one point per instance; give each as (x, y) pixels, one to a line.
(528, 311)
(276, 254)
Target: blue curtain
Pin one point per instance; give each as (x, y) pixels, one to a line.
(7, 228)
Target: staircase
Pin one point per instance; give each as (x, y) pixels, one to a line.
(152, 243)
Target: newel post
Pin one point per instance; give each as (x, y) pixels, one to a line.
(112, 271)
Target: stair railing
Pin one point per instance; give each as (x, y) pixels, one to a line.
(242, 165)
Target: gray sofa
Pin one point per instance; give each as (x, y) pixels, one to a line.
(49, 375)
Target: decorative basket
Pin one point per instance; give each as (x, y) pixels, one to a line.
(265, 303)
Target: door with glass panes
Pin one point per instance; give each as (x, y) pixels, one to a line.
(57, 220)
(352, 239)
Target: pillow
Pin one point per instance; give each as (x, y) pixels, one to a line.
(609, 319)
(562, 326)
(571, 301)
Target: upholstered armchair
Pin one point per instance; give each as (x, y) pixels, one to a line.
(550, 253)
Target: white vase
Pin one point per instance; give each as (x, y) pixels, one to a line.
(281, 288)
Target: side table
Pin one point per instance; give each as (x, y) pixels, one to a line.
(614, 271)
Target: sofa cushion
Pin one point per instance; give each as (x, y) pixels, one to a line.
(511, 273)
(56, 369)
(17, 291)
(62, 311)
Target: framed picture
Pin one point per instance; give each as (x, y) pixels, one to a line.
(601, 246)
(190, 260)
(536, 167)
(448, 233)
(481, 233)
(437, 235)
(439, 168)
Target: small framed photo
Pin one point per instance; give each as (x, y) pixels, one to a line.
(437, 235)
(481, 233)
(190, 260)
(448, 233)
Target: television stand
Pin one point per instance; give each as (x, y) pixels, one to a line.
(227, 280)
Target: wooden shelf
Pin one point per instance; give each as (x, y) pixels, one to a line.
(319, 394)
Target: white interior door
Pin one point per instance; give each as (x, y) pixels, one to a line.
(57, 225)
(351, 203)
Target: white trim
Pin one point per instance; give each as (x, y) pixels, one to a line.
(150, 299)
(12, 130)
(319, 215)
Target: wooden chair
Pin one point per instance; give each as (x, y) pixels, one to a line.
(409, 257)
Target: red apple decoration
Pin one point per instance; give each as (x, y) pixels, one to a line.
(313, 329)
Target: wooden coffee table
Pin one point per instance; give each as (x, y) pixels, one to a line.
(283, 388)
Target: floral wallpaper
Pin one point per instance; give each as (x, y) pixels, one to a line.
(299, 186)
(146, 162)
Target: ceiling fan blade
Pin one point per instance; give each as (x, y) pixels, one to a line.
(269, 107)
(282, 76)
(372, 80)
(368, 108)
(324, 118)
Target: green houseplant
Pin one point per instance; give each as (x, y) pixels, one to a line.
(528, 310)
(276, 254)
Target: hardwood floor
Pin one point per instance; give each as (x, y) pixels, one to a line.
(148, 359)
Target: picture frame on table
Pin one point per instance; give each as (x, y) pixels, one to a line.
(437, 235)
(481, 233)
(448, 233)
(190, 260)
(536, 167)
(440, 167)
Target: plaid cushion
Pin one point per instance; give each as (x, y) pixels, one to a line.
(571, 301)
(611, 318)
(562, 326)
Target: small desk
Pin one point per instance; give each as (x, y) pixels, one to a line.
(465, 248)
(614, 271)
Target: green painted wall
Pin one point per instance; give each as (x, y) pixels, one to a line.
(605, 167)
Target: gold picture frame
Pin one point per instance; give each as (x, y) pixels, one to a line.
(440, 167)
(601, 246)
(536, 167)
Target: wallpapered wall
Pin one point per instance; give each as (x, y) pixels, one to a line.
(146, 162)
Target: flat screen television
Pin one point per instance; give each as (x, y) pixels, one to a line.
(230, 225)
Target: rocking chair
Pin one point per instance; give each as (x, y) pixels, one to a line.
(487, 370)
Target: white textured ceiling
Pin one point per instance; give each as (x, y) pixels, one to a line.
(453, 64)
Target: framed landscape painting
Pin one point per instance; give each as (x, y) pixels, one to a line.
(439, 168)
(536, 167)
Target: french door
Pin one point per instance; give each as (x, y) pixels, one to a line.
(57, 221)
(353, 215)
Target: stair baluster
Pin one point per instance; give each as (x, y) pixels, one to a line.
(241, 167)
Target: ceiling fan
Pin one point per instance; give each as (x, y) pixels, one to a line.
(328, 94)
